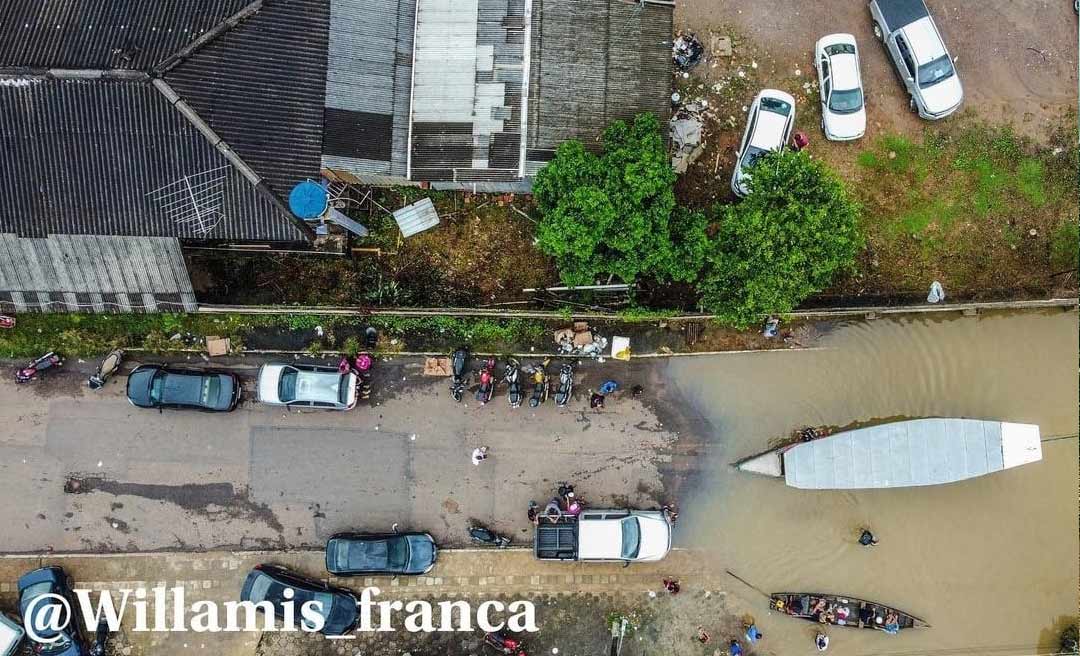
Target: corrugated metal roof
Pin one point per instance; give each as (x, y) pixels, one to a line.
(102, 33)
(368, 77)
(64, 273)
(900, 454)
(79, 157)
(262, 86)
(595, 61)
(468, 74)
(418, 217)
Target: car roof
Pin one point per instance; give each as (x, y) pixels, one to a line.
(769, 131)
(183, 387)
(318, 386)
(367, 552)
(925, 43)
(600, 539)
(845, 71)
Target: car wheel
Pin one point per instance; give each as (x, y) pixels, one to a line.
(878, 33)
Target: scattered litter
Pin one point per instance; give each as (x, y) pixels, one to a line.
(319, 331)
(937, 293)
(217, 345)
(100, 463)
(686, 51)
(721, 45)
(798, 73)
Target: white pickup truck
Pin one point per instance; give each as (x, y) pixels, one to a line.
(919, 54)
(630, 536)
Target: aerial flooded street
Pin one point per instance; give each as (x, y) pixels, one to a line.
(990, 563)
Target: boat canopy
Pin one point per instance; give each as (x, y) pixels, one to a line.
(911, 453)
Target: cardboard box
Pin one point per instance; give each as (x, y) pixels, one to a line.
(218, 345)
(437, 367)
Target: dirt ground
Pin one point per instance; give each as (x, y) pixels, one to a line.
(1017, 60)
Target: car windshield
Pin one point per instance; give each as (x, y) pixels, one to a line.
(287, 385)
(776, 106)
(631, 538)
(933, 72)
(211, 387)
(846, 102)
(343, 390)
(157, 387)
(325, 605)
(398, 553)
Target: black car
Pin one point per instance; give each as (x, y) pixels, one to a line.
(349, 554)
(68, 640)
(155, 386)
(337, 606)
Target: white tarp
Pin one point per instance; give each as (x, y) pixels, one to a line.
(911, 453)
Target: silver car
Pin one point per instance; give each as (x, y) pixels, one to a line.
(307, 386)
(843, 110)
(768, 128)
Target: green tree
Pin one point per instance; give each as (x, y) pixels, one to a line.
(614, 213)
(796, 230)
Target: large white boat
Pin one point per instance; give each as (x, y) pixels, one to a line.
(901, 454)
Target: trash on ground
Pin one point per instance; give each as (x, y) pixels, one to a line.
(217, 345)
(437, 366)
(686, 51)
(937, 293)
(620, 348)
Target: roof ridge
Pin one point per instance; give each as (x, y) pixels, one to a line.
(178, 57)
(223, 147)
(22, 72)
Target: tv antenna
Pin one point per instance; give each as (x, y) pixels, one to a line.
(194, 201)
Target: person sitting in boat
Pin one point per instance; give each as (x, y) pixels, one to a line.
(842, 614)
(892, 624)
(818, 611)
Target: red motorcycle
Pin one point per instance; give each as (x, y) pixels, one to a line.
(6, 321)
(31, 371)
(504, 644)
(487, 382)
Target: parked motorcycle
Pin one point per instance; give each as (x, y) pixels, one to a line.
(371, 338)
(105, 370)
(566, 385)
(487, 382)
(31, 371)
(504, 644)
(540, 384)
(514, 395)
(459, 369)
(6, 321)
(481, 535)
(101, 638)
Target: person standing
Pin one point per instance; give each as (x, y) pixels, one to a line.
(734, 649)
(867, 538)
(752, 633)
(479, 455)
(821, 641)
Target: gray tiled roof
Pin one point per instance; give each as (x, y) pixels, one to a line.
(81, 155)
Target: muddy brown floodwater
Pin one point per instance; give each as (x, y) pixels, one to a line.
(991, 563)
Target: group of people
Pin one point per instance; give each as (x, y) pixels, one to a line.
(751, 635)
(565, 503)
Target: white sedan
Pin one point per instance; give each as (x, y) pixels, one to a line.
(768, 128)
(843, 110)
(307, 386)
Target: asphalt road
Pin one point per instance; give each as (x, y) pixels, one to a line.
(85, 471)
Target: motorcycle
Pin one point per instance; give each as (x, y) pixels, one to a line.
(481, 535)
(566, 385)
(30, 372)
(371, 338)
(106, 369)
(513, 383)
(459, 368)
(101, 638)
(487, 382)
(504, 644)
(6, 321)
(540, 384)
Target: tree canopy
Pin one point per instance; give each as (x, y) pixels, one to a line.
(788, 239)
(613, 213)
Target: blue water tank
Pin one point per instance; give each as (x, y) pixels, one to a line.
(308, 200)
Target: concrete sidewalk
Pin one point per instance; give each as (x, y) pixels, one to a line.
(217, 576)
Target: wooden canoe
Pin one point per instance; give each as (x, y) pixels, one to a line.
(841, 610)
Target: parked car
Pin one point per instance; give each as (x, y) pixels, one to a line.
(628, 536)
(349, 554)
(269, 582)
(919, 55)
(307, 385)
(768, 127)
(157, 386)
(843, 107)
(68, 640)
(11, 635)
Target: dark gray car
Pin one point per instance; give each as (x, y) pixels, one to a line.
(156, 386)
(349, 554)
